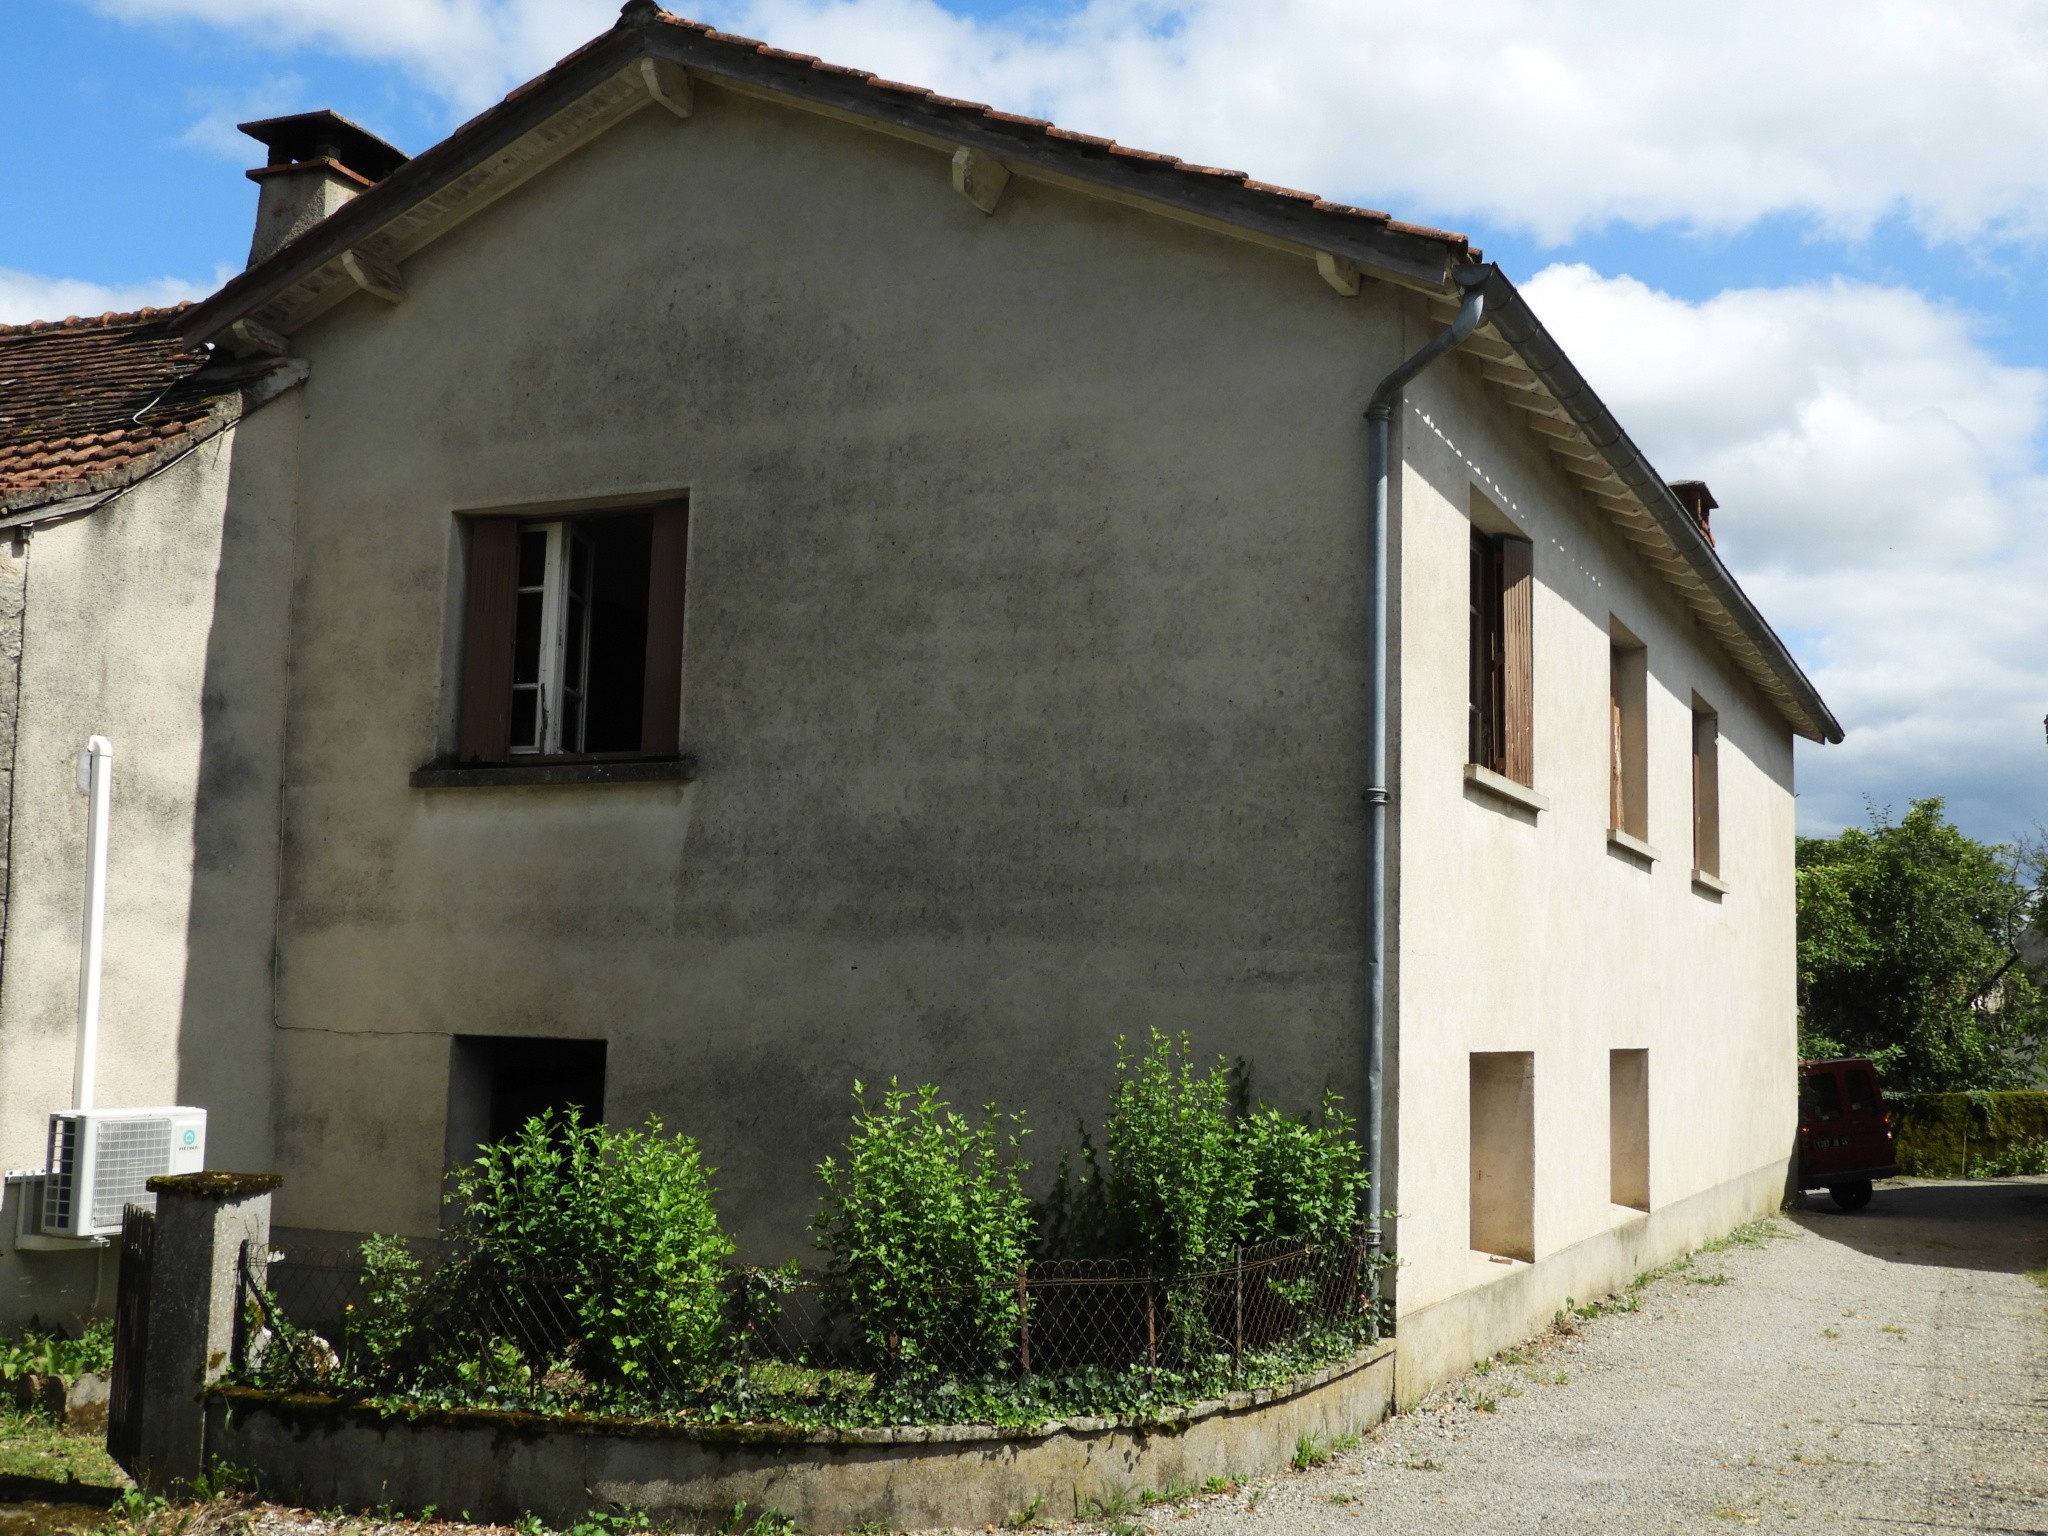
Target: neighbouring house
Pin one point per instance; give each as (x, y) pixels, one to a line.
(124, 525)
(770, 575)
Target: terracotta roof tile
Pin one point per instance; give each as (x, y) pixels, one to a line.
(990, 114)
(83, 399)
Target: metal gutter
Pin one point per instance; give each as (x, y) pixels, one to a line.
(1379, 416)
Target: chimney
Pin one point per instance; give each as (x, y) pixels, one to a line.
(318, 161)
(1694, 496)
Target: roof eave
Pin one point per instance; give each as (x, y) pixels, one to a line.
(1509, 316)
(1379, 246)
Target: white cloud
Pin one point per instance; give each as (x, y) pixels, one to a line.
(26, 296)
(1547, 116)
(1882, 499)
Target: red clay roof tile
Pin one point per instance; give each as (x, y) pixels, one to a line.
(83, 399)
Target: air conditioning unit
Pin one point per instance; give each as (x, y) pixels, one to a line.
(101, 1159)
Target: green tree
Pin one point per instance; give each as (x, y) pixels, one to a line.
(1908, 954)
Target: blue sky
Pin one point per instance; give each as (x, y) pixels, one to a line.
(1798, 250)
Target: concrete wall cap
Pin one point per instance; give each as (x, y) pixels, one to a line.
(214, 1185)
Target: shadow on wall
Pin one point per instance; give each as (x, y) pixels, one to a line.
(225, 1044)
(1989, 1224)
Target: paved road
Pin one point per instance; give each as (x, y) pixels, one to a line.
(1879, 1372)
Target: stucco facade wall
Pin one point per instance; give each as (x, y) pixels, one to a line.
(123, 612)
(1024, 672)
(1524, 931)
(1022, 662)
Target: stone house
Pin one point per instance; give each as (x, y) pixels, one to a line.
(758, 575)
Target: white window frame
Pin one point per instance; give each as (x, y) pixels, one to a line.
(552, 683)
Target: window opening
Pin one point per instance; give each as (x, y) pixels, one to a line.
(1503, 1152)
(1628, 747)
(574, 643)
(1861, 1100)
(1500, 735)
(1628, 1128)
(1820, 1096)
(496, 1083)
(1706, 789)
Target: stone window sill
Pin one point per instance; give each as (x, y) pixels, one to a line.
(677, 770)
(1630, 844)
(1708, 885)
(1502, 787)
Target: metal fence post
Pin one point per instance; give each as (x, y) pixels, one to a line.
(1237, 1338)
(1023, 1319)
(1151, 1329)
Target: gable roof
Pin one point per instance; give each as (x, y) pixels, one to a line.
(89, 403)
(650, 57)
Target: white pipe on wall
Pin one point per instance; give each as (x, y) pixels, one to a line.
(96, 782)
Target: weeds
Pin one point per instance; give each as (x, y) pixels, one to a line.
(1023, 1519)
(1117, 1504)
(1313, 1450)
(1751, 1234)
(1707, 1279)
(770, 1522)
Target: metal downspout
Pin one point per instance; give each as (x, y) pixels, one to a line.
(1379, 416)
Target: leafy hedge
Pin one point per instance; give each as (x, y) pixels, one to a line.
(1971, 1135)
(1215, 1246)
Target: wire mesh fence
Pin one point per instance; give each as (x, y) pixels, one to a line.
(1061, 1336)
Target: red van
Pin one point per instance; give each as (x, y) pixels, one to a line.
(1845, 1133)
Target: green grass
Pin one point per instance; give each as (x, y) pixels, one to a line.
(32, 1445)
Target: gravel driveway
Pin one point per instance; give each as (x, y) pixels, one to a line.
(1883, 1371)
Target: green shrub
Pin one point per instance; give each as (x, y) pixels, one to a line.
(1308, 1181)
(927, 1225)
(45, 1351)
(381, 1330)
(615, 1229)
(1179, 1183)
(1976, 1134)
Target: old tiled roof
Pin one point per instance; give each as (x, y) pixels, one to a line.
(87, 403)
(645, 11)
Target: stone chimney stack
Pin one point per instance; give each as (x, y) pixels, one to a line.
(318, 161)
(1694, 496)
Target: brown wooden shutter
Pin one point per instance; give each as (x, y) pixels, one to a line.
(487, 644)
(661, 712)
(1517, 603)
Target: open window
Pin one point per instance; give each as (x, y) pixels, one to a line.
(573, 647)
(1502, 659)
(1706, 789)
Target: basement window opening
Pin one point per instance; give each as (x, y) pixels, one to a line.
(1503, 1154)
(496, 1083)
(1628, 1128)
